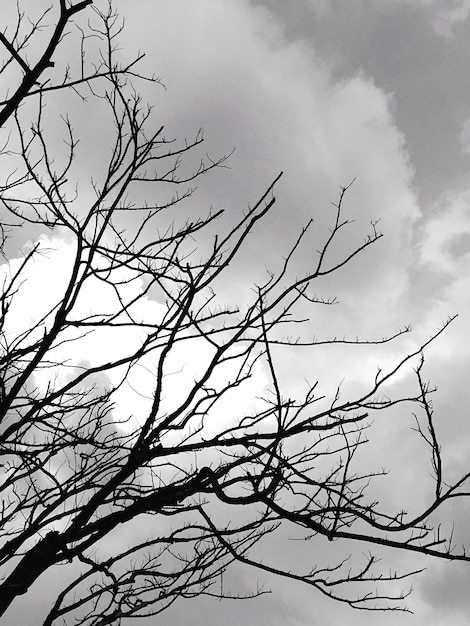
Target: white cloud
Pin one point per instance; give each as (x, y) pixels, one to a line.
(445, 244)
(41, 287)
(450, 14)
(445, 255)
(277, 103)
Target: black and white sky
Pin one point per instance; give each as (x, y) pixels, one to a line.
(329, 91)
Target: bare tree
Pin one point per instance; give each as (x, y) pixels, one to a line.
(73, 470)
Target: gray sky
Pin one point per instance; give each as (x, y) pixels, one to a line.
(328, 91)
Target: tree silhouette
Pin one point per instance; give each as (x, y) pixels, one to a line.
(74, 468)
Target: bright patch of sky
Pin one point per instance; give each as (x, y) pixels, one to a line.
(43, 280)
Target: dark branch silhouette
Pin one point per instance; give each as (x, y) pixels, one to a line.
(74, 469)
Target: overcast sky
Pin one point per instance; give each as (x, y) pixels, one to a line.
(328, 91)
